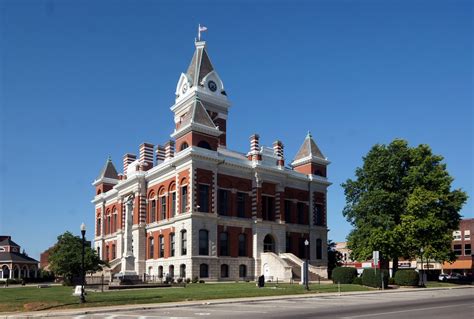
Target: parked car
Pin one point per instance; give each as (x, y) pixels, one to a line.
(446, 277)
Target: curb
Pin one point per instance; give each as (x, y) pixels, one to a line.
(179, 304)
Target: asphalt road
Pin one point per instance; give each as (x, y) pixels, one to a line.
(433, 304)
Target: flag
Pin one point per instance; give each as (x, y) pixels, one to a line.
(202, 28)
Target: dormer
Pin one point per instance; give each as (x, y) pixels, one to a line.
(309, 159)
(107, 178)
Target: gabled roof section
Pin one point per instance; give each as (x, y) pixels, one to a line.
(16, 257)
(108, 171)
(198, 114)
(309, 149)
(6, 241)
(200, 65)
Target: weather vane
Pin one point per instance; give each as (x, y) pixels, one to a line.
(201, 28)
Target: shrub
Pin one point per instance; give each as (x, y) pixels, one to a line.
(357, 281)
(195, 279)
(201, 281)
(391, 281)
(407, 277)
(179, 280)
(373, 278)
(188, 280)
(344, 275)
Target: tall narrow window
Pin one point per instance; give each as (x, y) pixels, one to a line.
(300, 210)
(171, 271)
(114, 253)
(114, 227)
(242, 245)
(203, 198)
(151, 247)
(160, 271)
(203, 242)
(153, 211)
(107, 253)
(109, 224)
(172, 244)
(223, 202)
(224, 271)
(182, 271)
(184, 242)
(224, 244)
(184, 199)
(319, 248)
(161, 242)
(163, 207)
(319, 216)
(173, 204)
(99, 226)
(268, 208)
(467, 249)
(242, 271)
(241, 204)
(288, 211)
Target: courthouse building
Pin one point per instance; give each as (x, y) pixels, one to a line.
(193, 207)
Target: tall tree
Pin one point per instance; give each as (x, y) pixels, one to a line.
(65, 257)
(400, 201)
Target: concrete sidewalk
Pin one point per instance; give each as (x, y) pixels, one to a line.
(137, 307)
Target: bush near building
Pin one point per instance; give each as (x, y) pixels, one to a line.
(357, 281)
(344, 275)
(373, 277)
(407, 277)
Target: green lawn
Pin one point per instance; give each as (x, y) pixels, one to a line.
(58, 297)
(436, 284)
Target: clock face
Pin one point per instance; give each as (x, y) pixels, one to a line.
(185, 87)
(212, 86)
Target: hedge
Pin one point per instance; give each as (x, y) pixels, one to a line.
(407, 277)
(357, 281)
(372, 278)
(344, 275)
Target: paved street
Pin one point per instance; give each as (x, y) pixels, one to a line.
(433, 304)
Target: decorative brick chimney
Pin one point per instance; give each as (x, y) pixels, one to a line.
(278, 151)
(254, 154)
(146, 156)
(127, 160)
(169, 150)
(160, 154)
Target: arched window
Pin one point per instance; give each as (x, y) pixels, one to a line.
(114, 220)
(182, 271)
(242, 245)
(160, 271)
(203, 242)
(24, 272)
(153, 211)
(203, 270)
(224, 271)
(319, 249)
(242, 271)
(224, 244)
(171, 271)
(268, 244)
(204, 144)
(184, 146)
(151, 247)
(184, 242)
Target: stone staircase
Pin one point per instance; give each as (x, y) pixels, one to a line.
(315, 273)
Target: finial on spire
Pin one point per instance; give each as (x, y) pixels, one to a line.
(201, 28)
(309, 135)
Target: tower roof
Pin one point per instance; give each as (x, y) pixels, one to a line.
(198, 115)
(108, 171)
(309, 149)
(200, 65)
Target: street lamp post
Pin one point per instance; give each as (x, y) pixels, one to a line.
(83, 276)
(422, 271)
(306, 268)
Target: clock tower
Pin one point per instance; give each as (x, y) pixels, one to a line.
(201, 106)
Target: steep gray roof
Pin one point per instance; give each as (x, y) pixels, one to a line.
(309, 148)
(16, 257)
(198, 114)
(8, 242)
(108, 170)
(200, 65)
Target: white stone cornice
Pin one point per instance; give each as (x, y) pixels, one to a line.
(310, 159)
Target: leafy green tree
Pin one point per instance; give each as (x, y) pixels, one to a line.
(65, 257)
(400, 201)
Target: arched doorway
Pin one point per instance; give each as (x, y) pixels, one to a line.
(268, 244)
(24, 272)
(16, 272)
(5, 272)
